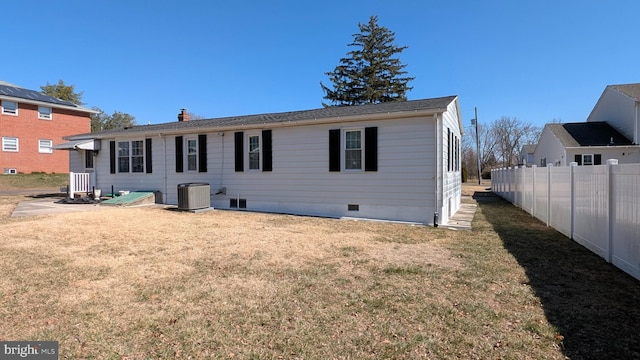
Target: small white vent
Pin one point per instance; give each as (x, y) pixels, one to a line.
(10, 171)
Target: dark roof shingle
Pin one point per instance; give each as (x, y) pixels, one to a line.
(597, 133)
(284, 117)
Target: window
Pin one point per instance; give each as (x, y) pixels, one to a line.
(353, 149)
(254, 152)
(192, 154)
(44, 113)
(131, 156)
(588, 159)
(10, 144)
(45, 146)
(9, 107)
(128, 156)
(88, 159)
(123, 156)
(137, 156)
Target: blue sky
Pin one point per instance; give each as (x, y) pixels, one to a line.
(539, 61)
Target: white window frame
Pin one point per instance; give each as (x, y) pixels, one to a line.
(13, 110)
(133, 167)
(343, 150)
(10, 144)
(584, 159)
(45, 113)
(45, 146)
(192, 154)
(257, 151)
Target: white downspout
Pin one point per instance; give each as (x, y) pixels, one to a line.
(438, 160)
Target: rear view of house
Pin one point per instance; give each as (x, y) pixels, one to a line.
(30, 124)
(392, 161)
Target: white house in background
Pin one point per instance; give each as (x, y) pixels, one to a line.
(526, 157)
(619, 106)
(390, 161)
(611, 132)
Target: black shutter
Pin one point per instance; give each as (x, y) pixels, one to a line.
(334, 150)
(202, 153)
(112, 156)
(239, 147)
(578, 158)
(267, 160)
(179, 155)
(371, 149)
(147, 156)
(597, 159)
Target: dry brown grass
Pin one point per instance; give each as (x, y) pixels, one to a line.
(131, 283)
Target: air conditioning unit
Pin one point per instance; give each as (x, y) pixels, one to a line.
(10, 171)
(193, 196)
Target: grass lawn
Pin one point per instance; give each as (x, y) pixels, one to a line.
(33, 181)
(133, 283)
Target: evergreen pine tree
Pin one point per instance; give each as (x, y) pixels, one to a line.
(369, 74)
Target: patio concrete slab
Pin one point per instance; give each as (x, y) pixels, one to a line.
(45, 206)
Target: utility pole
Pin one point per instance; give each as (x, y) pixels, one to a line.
(475, 122)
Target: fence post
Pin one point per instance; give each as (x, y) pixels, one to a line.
(612, 208)
(572, 196)
(72, 185)
(533, 191)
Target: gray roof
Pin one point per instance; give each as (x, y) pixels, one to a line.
(292, 117)
(597, 133)
(7, 89)
(631, 90)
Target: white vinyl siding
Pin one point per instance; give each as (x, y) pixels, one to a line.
(44, 113)
(404, 187)
(9, 108)
(45, 146)
(10, 144)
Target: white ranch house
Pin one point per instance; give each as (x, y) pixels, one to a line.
(395, 161)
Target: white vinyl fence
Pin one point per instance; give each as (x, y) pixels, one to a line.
(81, 182)
(597, 206)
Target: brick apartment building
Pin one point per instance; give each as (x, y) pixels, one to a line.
(31, 123)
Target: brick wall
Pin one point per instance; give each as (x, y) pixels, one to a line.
(29, 129)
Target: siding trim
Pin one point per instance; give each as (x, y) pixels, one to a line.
(334, 150)
(202, 153)
(371, 149)
(239, 150)
(112, 157)
(147, 156)
(267, 158)
(179, 154)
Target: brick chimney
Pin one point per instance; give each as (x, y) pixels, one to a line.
(184, 115)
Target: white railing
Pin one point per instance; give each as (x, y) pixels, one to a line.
(597, 206)
(81, 182)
